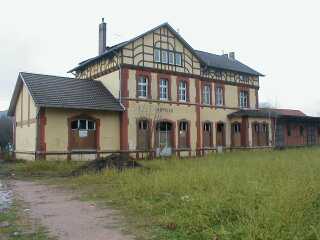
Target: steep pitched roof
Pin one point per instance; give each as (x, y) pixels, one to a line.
(209, 59)
(223, 62)
(64, 92)
(113, 49)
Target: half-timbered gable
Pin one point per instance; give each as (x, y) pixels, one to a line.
(164, 49)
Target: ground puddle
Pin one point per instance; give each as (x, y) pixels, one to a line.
(5, 197)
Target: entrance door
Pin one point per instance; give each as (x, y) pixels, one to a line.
(220, 134)
(83, 135)
(164, 138)
(236, 134)
(279, 137)
(255, 134)
(143, 136)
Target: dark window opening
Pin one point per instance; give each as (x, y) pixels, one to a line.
(289, 130)
(301, 130)
(82, 124)
(220, 127)
(237, 128)
(143, 125)
(91, 125)
(74, 125)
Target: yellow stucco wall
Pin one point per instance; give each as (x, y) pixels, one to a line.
(56, 129)
(112, 82)
(25, 114)
(149, 111)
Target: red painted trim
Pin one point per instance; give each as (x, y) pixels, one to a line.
(198, 120)
(41, 131)
(124, 119)
(244, 132)
(187, 75)
(14, 133)
(147, 74)
(166, 77)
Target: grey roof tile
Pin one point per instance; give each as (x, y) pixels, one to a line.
(64, 92)
(223, 62)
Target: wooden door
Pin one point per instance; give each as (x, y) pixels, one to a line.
(220, 138)
(143, 135)
(236, 134)
(207, 135)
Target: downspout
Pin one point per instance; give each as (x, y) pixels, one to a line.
(37, 132)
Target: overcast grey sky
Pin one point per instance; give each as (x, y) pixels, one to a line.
(278, 38)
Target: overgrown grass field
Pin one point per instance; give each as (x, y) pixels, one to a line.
(238, 195)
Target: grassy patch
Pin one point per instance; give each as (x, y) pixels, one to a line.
(39, 169)
(20, 227)
(238, 195)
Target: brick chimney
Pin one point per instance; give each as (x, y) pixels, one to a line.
(232, 56)
(102, 37)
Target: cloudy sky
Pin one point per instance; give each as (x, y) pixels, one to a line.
(278, 38)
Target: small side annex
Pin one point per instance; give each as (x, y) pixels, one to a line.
(54, 116)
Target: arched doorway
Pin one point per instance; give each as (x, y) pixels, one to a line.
(164, 138)
(143, 134)
(255, 134)
(236, 134)
(220, 137)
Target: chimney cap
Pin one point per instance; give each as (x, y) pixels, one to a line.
(103, 20)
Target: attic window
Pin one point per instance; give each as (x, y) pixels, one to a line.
(178, 59)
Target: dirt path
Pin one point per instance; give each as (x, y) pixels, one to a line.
(66, 217)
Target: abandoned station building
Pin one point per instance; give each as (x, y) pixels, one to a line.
(153, 94)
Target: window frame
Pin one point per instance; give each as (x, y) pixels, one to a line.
(244, 98)
(206, 94)
(157, 55)
(179, 57)
(161, 87)
(164, 59)
(171, 57)
(87, 124)
(186, 91)
(217, 95)
(146, 85)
